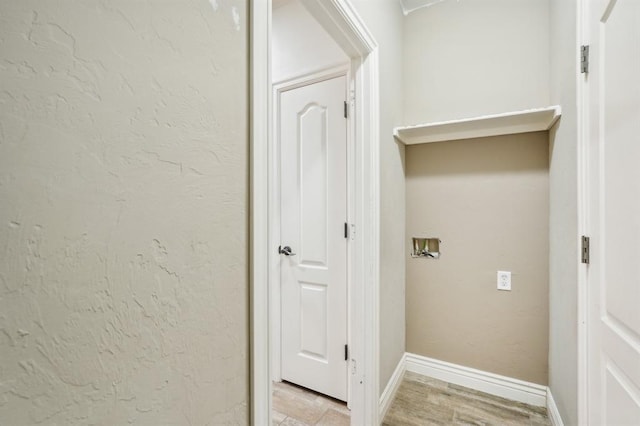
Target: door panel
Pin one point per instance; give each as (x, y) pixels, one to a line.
(313, 321)
(312, 140)
(313, 188)
(614, 273)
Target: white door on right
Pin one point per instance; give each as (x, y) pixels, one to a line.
(614, 169)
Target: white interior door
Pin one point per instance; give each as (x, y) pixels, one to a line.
(313, 191)
(614, 271)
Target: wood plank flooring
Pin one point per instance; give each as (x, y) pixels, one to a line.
(420, 401)
(424, 401)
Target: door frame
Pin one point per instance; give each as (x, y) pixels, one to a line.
(341, 21)
(275, 201)
(583, 202)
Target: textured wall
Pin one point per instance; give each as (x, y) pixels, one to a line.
(563, 212)
(465, 58)
(123, 212)
(385, 20)
(488, 201)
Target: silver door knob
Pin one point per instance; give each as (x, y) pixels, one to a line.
(286, 250)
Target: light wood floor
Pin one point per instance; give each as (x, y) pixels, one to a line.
(297, 406)
(420, 401)
(424, 401)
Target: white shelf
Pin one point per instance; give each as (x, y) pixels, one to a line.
(532, 120)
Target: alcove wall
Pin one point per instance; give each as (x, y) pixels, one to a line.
(487, 200)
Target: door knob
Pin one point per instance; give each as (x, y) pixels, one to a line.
(286, 250)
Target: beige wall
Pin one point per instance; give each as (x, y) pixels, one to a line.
(487, 200)
(123, 212)
(385, 20)
(563, 244)
(465, 58)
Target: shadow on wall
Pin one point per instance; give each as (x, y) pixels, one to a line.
(482, 156)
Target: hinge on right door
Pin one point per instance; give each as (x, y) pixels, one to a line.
(585, 249)
(346, 352)
(584, 59)
(346, 109)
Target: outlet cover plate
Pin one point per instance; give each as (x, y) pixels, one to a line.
(504, 280)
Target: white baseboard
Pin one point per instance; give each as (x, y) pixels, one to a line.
(494, 384)
(392, 387)
(552, 410)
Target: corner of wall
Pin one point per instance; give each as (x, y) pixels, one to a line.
(552, 410)
(563, 211)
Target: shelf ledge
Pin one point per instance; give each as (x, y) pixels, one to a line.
(532, 120)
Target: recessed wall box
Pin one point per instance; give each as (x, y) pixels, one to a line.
(426, 247)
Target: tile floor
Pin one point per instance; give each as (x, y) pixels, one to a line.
(420, 401)
(424, 401)
(297, 406)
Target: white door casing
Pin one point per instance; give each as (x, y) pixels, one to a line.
(613, 275)
(313, 213)
(341, 21)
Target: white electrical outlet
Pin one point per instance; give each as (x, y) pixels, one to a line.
(504, 280)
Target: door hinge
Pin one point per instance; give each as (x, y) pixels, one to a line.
(346, 352)
(584, 59)
(585, 249)
(346, 230)
(346, 109)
